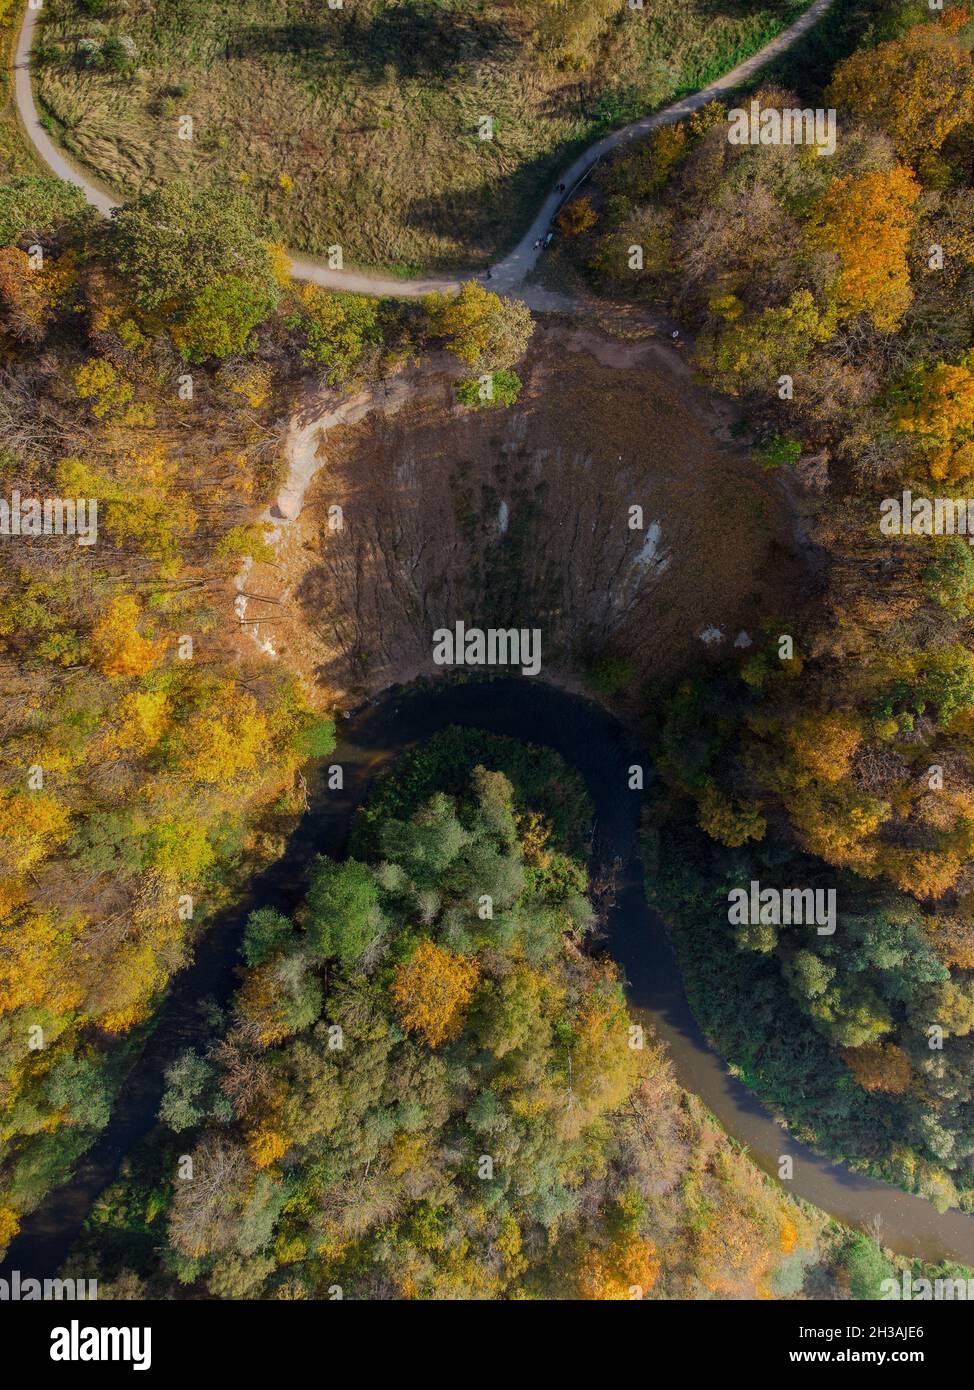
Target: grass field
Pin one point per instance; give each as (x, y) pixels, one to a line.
(16, 154)
(360, 125)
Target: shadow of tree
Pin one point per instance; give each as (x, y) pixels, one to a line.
(414, 40)
(478, 217)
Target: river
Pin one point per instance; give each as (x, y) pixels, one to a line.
(597, 744)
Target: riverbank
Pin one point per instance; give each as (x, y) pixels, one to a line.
(602, 749)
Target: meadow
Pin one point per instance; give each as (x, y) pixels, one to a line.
(362, 125)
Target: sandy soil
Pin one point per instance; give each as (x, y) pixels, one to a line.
(522, 518)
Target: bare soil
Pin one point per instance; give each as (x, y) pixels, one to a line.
(521, 518)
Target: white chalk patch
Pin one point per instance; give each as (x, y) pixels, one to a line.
(647, 551)
(710, 635)
(503, 518)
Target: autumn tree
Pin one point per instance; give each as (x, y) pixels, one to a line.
(867, 221)
(728, 819)
(879, 1066)
(432, 990)
(939, 412)
(342, 332)
(577, 216)
(485, 331)
(753, 352)
(26, 298)
(626, 1269)
(919, 88)
(118, 648)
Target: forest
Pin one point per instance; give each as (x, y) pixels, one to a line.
(428, 1083)
(428, 1086)
(832, 298)
(149, 750)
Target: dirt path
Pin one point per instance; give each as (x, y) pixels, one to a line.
(508, 275)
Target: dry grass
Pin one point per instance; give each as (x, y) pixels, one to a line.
(370, 113)
(16, 153)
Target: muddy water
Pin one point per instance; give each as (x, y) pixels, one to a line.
(602, 750)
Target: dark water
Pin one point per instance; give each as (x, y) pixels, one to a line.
(602, 750)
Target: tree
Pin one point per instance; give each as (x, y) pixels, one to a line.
(752, 353)
(267, 932)
(577, 217)
(431, 991)
(864, 1266)
(191, 1094)
(626, 1269)
(341, 331)
(27, 296)
(918, 88)
(279, 997)
(868, 220)
(822, 746)
(342, 915)
(40, 209)
(118, 649)
(730, 821)
(880, 1066)
(31, 825)
(221, 319)
(939, 410)
(485, 331)
(948, 579)
(222, 741)
(315, 737)
(192, 250)
(98, 381)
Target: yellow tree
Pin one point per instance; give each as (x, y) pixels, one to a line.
(485, 331)
(941, 414)
(822, 746)
(118, 649)
(918, 88)
(867, 222)
(432, 990)
(577, 217)
(224, 740)
(626, 1269)
(31, 825)
(879, 1066)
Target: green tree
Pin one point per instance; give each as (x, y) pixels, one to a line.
(342, 915)
(865, 1266)
(340, 331)
(182, 241)
(34, 208)
(267, 932)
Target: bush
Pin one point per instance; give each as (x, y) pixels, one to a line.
(865, 1266)
(609, 674)
(492, 389)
